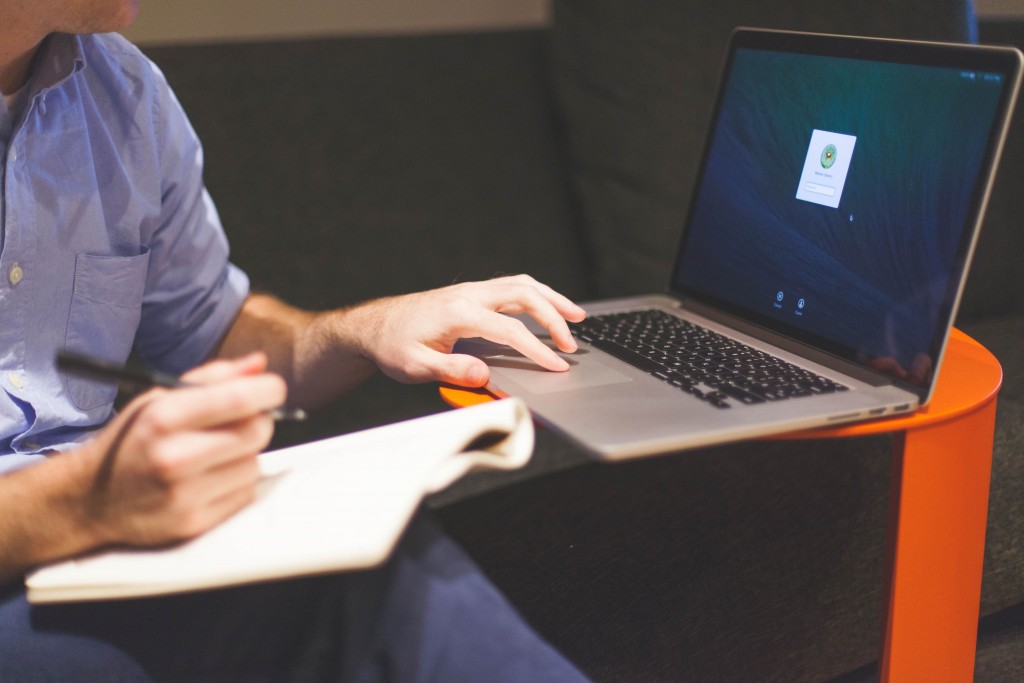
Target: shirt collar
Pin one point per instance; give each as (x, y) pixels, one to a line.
(60, 57)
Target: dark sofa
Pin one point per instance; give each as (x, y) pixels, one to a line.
(351, 168)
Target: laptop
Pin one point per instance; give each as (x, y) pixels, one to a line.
(835, 211)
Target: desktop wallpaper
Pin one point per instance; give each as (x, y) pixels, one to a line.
(835, 196)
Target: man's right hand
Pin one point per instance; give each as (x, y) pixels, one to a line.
(172, 465)
(177, 462)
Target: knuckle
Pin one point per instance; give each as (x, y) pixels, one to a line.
(516, 327)
(528, 294)
(191, 522)
(459, 312)
(457, 293)
(262, 431)
(247, 496)
(164, 462)
(526, 281)
(155, 421)
(253, 476)
(279, 387)
(237, 402)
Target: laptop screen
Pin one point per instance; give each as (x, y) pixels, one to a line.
(838, 198)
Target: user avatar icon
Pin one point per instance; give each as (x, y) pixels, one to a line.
(828, 156)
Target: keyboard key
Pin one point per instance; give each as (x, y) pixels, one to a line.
(624, 354)
(710, 366)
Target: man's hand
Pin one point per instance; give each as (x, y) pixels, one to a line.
(410, 338)
(172, 465)
(176, 463)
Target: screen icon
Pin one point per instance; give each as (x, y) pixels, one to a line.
(825, 167)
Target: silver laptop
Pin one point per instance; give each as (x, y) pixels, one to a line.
(836, 208)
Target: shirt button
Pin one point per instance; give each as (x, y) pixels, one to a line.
(16, 381)
(15, 274)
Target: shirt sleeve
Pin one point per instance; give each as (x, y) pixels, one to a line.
(193, 293)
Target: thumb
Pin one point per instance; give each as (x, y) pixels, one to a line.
(461, 370)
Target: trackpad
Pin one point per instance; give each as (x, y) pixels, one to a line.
(510, 370)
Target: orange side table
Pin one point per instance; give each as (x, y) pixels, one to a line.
(938, 508)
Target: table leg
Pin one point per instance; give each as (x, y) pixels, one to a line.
(936, 542)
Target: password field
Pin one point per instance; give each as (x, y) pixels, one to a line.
(826, 190)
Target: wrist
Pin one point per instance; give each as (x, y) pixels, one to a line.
(82, 499)
(359, 328)
(45, 515)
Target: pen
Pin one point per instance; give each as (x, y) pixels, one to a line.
(141, 378)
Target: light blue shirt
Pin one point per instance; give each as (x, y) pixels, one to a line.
(109, 240)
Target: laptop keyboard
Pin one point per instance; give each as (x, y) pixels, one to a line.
(710, 366)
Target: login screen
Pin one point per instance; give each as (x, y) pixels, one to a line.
(825, 168)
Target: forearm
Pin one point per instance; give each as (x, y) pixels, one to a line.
(43, 514)
(319, 354)
(411, 338)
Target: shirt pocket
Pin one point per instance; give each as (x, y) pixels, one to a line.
(106, 306)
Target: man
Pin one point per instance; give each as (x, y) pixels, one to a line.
(110, 243)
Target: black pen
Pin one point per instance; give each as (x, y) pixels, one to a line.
(141, 378)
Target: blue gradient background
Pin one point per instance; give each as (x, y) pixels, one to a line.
(877, 286)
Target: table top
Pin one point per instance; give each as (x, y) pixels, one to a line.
(969, 378)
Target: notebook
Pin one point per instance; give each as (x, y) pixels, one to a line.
(835, 211)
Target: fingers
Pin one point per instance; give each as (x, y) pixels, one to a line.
(176, 462)
(565, 307)
(219, 403)
(192, 453)
(511, 332)
(220, 494)
(416, 333)
(200, 503)
(225, 506)
(171, 477)
(525, 299)
(523, 294)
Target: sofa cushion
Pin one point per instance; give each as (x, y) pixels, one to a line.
(352, 168)
(635, 84)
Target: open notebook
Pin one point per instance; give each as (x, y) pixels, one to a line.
(337, 504)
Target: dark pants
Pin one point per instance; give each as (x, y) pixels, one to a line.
(428, 615)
